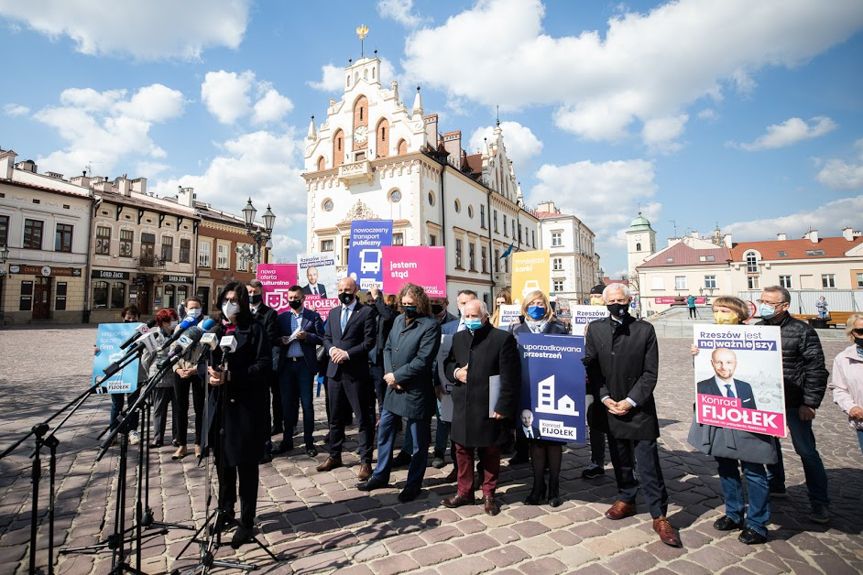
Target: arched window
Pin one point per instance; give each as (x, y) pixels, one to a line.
(338, 148)
(402, 148)
(361, 107)
(382, 140)
(322, 163)
(638, 247)
(751, 262)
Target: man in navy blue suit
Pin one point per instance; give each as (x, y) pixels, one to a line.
(724, 362)
(301, 331)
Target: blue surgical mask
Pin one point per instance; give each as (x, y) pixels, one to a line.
(766, 311)
(473, 324)
(194, 312)
(536, 311)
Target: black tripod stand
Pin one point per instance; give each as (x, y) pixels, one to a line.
(217, 520)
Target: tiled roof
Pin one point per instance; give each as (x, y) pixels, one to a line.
(834, 247)
(680, 254)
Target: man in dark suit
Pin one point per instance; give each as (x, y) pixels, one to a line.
(724, 362)
(349, 336)
(478, 354)
(300, 332)
(622, 360)
(313, 287)
(265, 316)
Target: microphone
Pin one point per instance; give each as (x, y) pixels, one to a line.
(145, 341)
(141, 329)
(228, 343)
(188, 340)
(181, 329)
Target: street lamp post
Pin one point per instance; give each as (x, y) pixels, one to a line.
(4, 255)
(260, 237)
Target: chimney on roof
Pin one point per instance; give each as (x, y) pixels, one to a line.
(186, 196)
(848, 233)
(452, 145)
(123, 186)
(7, 163)
(726, 241)
(548, 206)
(694, 234)
(781, 236)
(139, 185)
(812, 236)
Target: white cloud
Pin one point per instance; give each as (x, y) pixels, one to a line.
(842, 175)
(661, 134)
(151, 30)
(102, 128)
(271, 107)
(709, 114)
(265, 166)
(605, 196)
(228, 96)
(828, 218)
(15, 110)
(788, 133)
(402, 11)
(521, 143)
(634, 71)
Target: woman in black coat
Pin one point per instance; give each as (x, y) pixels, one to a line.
(538, 317)
(238, 417)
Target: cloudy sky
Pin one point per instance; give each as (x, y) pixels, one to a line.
(747, 115)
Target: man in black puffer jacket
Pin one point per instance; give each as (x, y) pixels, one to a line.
(805, 379)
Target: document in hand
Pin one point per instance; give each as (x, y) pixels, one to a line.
(493, 393)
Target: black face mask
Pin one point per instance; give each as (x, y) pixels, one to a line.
(346, 298)
(436, 308)
(128, 321)
(410, 311)
(295, 304)
(618, 310)
(255, 299)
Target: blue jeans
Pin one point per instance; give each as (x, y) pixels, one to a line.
(441, 436)
(804, 444)
(757, 489)
(419, 430)
(295, 383)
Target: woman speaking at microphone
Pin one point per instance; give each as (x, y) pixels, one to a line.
(237, 410)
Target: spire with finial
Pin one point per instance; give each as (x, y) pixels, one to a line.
(362, 32)
(497, 116)
(312, 135)
(418, 104)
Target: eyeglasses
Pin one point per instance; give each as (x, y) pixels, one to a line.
(771, 303)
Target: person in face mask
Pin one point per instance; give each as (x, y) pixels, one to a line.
(504, 297)
(479, 353)
(595, 411)
(538, 317)
(847, 382)
(752, 451)
(237, 425)
(300, 330)
(266, 317)
(805, 382)
(409, 356)
(349, 336)
(189, 377)
(622, 359)
(163, 395)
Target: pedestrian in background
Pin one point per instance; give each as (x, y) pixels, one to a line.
(690, 303)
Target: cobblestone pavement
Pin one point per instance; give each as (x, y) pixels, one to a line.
(327, 525)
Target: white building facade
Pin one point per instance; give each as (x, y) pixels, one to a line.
(373, 158)
(574, 264)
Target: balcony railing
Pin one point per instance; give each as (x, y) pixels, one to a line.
(149, 261)
(356, 172)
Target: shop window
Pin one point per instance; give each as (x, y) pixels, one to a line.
(118, 295)
(100, 295)
(60, 296)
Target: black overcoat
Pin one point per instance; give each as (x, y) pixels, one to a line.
(622, 360)
(487, 352)
(409, 354)
(244, 398)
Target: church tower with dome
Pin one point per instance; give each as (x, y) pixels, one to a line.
(640, 243)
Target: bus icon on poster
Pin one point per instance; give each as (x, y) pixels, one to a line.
(370, 261)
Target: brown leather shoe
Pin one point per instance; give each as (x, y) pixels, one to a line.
(620, 510)
(458, 500)
(330, 464)
(667, 533)
(365, 472)
(490, 505)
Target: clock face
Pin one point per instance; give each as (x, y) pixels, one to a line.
(361, 134)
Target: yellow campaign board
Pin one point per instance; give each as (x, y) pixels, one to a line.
(530, 271)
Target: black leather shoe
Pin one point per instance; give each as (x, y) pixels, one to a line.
(403, 459)
(242, 536)
(752, 537)
(283, 447)
(536, 496)
(409, 494)
(311, 451)
(372, 484)
(224, 519)
(726, 523)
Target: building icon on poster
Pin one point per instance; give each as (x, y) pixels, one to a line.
(545, 400)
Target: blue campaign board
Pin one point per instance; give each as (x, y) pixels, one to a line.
(365, 259)
(552, 371)
(109, 338)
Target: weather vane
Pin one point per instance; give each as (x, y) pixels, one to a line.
(362, 32)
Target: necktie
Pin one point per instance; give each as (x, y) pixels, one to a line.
(315, 290)
(344, 317)
(728, 389)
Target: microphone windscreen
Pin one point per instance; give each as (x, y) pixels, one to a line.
(208, 324)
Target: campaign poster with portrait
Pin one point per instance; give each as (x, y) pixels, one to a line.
(424, 266)
(277, 279)
(109, 338)
(365, 258)
(584, 314)
(316, 275)
(738, 378)
(557, 406)
(510, 313)
(530, 272)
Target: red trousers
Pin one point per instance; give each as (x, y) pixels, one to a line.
(490, 459)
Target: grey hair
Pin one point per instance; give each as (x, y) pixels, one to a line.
(256, 283)
(786, 295)
(615, 287)
(483, 309)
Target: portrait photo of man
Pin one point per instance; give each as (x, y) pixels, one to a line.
(313, 287)
(723, 383)
(527, 423)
